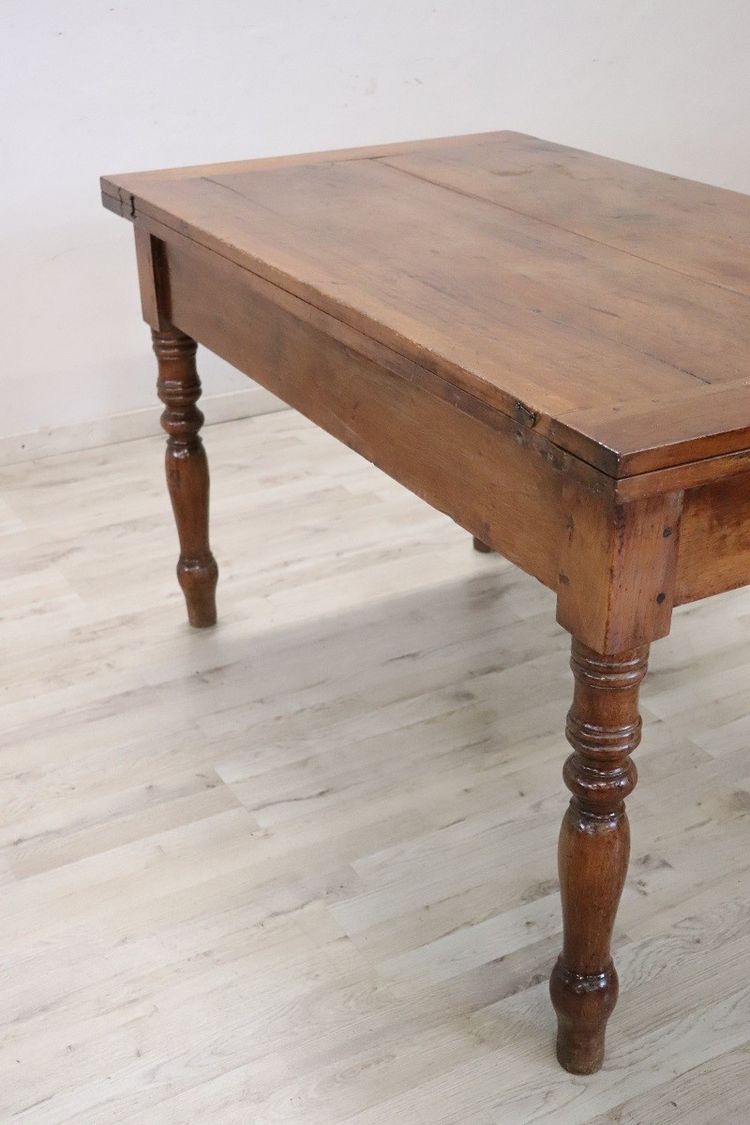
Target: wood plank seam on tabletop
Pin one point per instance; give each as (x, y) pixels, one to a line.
(685, 373)
(115, 184)
(629, 484)
(625, 489)
(592, 434)
(427, 380)
(529, 214)
(547, 170)
(292, 283)
(566, 428)
(462, 398)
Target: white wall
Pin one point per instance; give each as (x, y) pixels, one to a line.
(92, 86)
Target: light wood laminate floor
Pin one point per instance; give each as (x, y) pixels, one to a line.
(301, 868)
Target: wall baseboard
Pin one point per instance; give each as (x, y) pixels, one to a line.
(131, 425)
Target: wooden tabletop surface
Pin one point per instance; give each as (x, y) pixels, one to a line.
(606, 305)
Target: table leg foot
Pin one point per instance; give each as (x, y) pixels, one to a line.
(603, 728)
(583, 1005)
(186, 466)
(479, 545)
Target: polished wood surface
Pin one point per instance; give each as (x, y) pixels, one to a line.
(186, 465)
(610, 302)
(509, 329)
(603, 727)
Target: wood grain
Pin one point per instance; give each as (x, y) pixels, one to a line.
(186, 468)
(497, 479)
(689, 227)
(555, 282)
(618, 562)
(714, 550)
(481, 475)
(604, 728)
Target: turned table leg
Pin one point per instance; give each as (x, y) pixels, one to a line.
(186, 464)
(603, 728)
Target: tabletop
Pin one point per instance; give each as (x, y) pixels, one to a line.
(606, 303)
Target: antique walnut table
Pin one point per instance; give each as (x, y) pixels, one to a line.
(550, 346)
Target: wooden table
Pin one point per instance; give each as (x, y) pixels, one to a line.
(550, 346)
